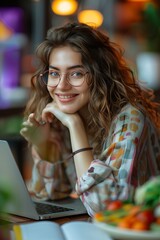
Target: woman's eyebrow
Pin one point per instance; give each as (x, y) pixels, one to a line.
(69, 68)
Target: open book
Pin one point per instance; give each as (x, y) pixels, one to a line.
(46, 230)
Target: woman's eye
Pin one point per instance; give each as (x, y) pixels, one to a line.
(54, 74)
(77, 74)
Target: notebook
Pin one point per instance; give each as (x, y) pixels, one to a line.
(22, 204)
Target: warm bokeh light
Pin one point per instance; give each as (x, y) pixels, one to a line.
(64, 7)
(91, 17)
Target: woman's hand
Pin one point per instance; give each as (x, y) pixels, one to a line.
(34, 131)
(78, 135)
(52, 110)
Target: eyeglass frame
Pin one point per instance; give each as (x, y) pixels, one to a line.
(41, 75)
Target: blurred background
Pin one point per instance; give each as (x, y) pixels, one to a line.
(133, 24)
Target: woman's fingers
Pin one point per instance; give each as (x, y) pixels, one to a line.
(48, 113)
(52, 111)
(32, 120)
(23, 131)
(47, 116)
(33, 130)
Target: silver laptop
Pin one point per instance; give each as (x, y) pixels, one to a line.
(21, 203)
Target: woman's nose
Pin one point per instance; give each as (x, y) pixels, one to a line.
(63, 82)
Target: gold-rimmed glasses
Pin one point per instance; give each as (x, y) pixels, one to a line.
(52, 77)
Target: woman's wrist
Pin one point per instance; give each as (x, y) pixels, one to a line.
(74, 121)
(78, 151)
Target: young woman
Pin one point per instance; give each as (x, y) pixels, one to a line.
(89, 124)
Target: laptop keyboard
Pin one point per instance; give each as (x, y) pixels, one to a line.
(43, 208)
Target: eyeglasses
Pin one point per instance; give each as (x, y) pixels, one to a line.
(52, 78)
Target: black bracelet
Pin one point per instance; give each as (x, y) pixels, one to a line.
(81, 150)
(78, 151)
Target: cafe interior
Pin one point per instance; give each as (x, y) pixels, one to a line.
(133, 24)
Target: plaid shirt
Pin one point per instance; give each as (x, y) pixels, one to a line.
(130, 156)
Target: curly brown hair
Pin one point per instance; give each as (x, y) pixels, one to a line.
(111, 82)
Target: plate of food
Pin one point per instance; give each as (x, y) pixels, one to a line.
(126, 234)
(136, 219)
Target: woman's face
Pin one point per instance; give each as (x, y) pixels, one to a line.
(70, 99)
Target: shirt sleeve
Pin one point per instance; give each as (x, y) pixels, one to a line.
(51, 179)
(109, 177)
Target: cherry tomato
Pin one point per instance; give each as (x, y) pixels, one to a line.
(114, 205)
(146, 216)
(124, 223)
(140, 226)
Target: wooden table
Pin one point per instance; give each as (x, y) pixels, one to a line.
(15, 219)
